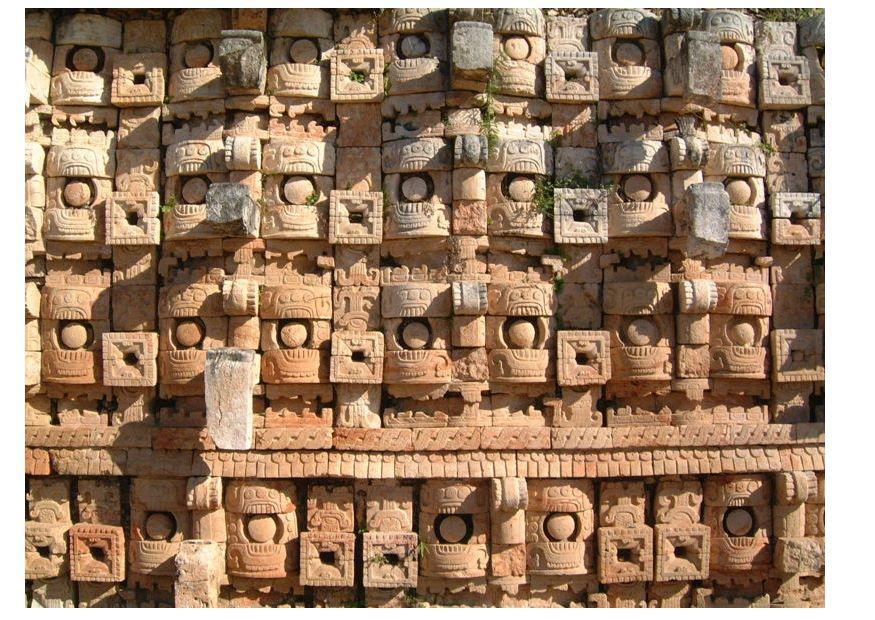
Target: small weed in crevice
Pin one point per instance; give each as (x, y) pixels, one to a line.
(170, 205)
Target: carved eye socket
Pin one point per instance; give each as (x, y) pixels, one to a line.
(194, 190)
(82, 58)
(261, 528)
(197, 55)
(76, 335)
(637, 188)
(642, 332)
(742, 333)
(304, 52)
(78, 193)
(298, 190)
(521, 333)
(160, 526)
(516, 48)
(454, 529)
(730, 58)
(413, 46)
(739, 190)
(628, 53)
(417, 187)
(739, 522)
(415, 334)
(189, 333)
(294, 334)
(560, 526)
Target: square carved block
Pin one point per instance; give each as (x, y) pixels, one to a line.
(625, 554)
(682, 552)
(798, 355)
(785, 82)
(580, 215)
(355, 218)
(129, 359)
(45, 549)
(583, 357)
(357, 357)
(132, 219)
(572, 77)
(390, 559)
(357, 75)
(97, 553)
(138, 80)
(327, 559)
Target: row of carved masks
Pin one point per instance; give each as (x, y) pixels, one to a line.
(470, 530)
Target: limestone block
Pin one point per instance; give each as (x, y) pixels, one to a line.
(229, 376)
(231, 211)
(199, 566)
(243, 61)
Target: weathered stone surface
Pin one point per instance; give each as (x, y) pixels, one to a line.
(707, 218)
(229, 375)
(243, 60)
(231, 211)
(199, 565)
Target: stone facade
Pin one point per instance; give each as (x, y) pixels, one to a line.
(506, 307)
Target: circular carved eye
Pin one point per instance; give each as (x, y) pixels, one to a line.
(77, 194)
(194, 191)
(304, 52)
(414, 189)
(160, 526)
(85, 59)
(517, 48)
(197, 56)
(628, 54)
(642, 333)
(729, 57)
(742, 333)
(637, 187)
(261, 528)
(413, 46)
(293, 335)
(560, 526)
(452, 529)
(521, 189)
(739, 191)
(521, 334)
(74, 335)
(738, 522)
(415, 335)
(297, 189)
(189, 333)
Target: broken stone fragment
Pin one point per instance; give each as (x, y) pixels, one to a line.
(799, 556)
(231, 211)
(707, 219)
(199, 565)
(243, 60)
(229, 378)
(682, 20)
(470, 151)
(703, 57)
(471, 55)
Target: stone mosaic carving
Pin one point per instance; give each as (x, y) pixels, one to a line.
(406, 307)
